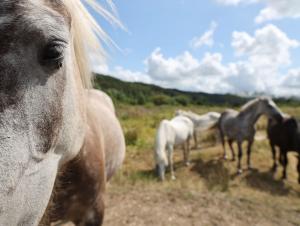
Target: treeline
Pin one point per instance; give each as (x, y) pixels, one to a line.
(140, 94)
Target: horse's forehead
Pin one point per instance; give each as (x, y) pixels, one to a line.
(13, 10)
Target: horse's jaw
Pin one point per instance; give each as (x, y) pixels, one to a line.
(24, 201)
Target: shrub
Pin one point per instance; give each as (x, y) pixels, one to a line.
(183, 100)
(131, 137)
(161, 99)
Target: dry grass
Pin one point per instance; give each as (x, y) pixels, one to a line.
(206, 193)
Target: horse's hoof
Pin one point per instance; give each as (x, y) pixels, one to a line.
(250, 168)
(233, 159)
(173, 178)
(225, 157)
(240, 171)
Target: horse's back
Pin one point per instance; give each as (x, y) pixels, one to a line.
(102, 112)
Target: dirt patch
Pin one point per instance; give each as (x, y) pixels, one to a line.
(145, 207)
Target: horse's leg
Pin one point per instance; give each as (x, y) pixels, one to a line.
(230, 141)
(184, 152)
(223, 144)
(273, 149)
(240, 154)
(161, 171)
(170, 159)
(187, 162)
(250, 142)
(195, 139)
(298, 167)
(94, 216)
(284, 162)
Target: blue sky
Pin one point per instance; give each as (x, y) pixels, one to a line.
(220, 46)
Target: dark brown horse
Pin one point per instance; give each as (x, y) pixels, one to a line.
(286, 136)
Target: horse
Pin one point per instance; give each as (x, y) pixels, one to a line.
(286, 136)
(170, 133)
(240, 126)
(60, 141)
(201, 122)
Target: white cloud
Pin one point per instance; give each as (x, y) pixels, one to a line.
(233, 2)
(207, 38)
(278, 9)
(182, 72)
(260, 60)
(292, 80)
(100, 68)
(268, 47)
(169, 69)
(266, 52)
(289, 84)
(131, 76)
(273, 10)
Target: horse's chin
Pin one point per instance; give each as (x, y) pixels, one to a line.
(25, 204)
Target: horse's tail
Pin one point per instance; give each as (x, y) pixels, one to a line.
(160, 145)
(221, 118)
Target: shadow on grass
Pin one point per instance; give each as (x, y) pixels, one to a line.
(265, 181)
(215, 174)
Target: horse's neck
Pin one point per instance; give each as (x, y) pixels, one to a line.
(250, 117)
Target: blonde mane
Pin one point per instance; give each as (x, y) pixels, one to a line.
(252, 104)
(88, 35)
(249, 104)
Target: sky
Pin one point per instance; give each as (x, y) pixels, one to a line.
(214, 46)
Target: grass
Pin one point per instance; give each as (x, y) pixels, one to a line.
(140, 124)
(208, 173)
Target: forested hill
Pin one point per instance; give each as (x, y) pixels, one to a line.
(139, 93)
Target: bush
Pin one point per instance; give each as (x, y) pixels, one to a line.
(131, 137)
(161, 99)
(183, 100)
(141, 99)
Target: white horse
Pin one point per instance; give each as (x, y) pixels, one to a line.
(240, 126)
(201, 122)
(52, 125)
(177, 131)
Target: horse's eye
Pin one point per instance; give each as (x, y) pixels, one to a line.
(53, 54)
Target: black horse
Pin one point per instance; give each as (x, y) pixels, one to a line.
(286, 136)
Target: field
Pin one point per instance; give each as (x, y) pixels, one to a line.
(208, 192)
